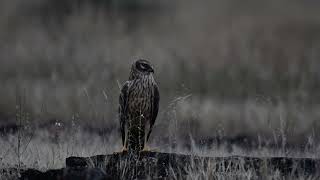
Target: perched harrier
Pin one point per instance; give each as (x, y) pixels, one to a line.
(139, 103)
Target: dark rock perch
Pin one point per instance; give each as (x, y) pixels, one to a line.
(156, 165)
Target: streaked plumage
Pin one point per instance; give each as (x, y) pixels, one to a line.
(139, 103)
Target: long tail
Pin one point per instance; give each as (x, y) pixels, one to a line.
(136, 136)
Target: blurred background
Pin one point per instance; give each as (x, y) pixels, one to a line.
(236, 72)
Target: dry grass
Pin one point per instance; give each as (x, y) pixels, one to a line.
(251, 70)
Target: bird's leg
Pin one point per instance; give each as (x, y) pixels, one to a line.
(124, 147)
(145, 147)
(125, 144)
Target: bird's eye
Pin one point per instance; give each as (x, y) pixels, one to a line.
(142, 66)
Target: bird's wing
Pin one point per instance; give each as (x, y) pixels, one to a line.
(123, 103)
(154, 109)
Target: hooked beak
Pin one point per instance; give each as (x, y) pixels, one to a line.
(151, 70)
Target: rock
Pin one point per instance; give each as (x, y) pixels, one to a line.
(9, 173)
(84, 174)
(155, 165)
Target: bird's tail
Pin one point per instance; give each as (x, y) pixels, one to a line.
(136, 135)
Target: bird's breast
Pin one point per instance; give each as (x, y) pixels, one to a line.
(140, 97)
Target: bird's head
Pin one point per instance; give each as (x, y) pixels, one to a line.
(141, 68)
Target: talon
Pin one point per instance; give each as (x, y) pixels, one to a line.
(123, 150)
(146, 149)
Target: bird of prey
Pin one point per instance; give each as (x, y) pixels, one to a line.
(139, 104)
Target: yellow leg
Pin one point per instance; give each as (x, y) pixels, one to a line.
(124, 149)
(145, 148)
(148, 149)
